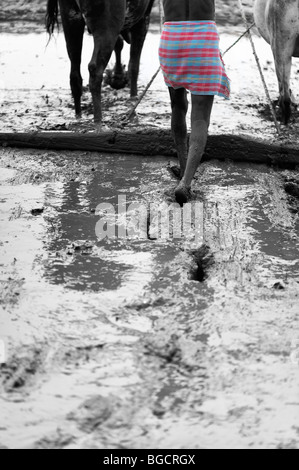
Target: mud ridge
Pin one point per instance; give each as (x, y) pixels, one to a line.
(291, 187)
(202, 261)
(21, 369)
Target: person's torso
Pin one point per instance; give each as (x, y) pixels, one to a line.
(189, 10)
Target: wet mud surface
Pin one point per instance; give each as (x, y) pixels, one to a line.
(143, 343)
(116, 343)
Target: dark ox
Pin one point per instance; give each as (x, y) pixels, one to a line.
(109, 22)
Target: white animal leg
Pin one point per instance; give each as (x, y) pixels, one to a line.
(282, 19)
(283, 64)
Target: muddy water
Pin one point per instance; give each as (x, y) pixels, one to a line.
(112, 344)
(115, 343)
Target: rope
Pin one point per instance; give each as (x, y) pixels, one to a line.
(239, 39)
(132, 111)
(260, 68)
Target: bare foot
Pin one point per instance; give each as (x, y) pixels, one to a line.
(182, 194)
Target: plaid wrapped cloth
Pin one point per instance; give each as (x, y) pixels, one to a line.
(190, 58)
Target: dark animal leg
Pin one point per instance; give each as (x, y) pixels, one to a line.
(105, 34)
(73, 26)
(138, 34)
(104, 21)
(118, 48)
(103, 48)
(119, 78)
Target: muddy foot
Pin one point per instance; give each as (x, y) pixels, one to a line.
(182, 194)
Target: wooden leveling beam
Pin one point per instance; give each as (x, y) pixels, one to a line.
(152, 142)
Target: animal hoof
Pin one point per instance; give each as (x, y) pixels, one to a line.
(117, 81)
(100, 127)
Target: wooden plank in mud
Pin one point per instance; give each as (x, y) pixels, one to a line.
(157, 142)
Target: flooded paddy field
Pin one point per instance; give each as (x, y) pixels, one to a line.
(143, 342)
(117, 343)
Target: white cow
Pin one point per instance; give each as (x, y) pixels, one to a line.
(278, 23)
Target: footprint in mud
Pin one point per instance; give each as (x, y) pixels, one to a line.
(291, 187)
(81, 354)
(57, 440)
(11, 290)
(169, 350)
(37, 211)
(202, 260)
(79, 247)
(177, 351)
(279, 285)
(91, 413)
(20, 370)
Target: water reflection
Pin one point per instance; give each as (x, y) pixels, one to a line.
(106, 265)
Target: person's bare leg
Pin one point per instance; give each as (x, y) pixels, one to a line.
(179, 106)
(200, 121)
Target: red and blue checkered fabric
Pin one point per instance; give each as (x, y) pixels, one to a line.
(190, 58)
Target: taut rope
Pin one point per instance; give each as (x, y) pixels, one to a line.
(132, 111)
(239, 39)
